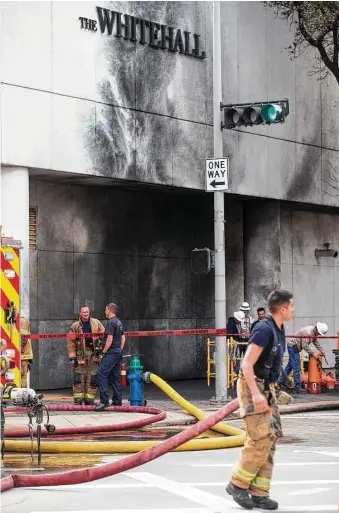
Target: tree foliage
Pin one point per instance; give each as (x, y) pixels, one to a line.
(316, 24)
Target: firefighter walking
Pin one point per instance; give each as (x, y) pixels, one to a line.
(251, 477)
(81, 354)
(26, 352)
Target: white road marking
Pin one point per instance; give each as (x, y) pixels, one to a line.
(108, 486)
(85, 486)
(307, 509)
(148, 510)
(326, 453)
(308, 416)
(309, 491)
(183, 490)
(11, 469)
(292, 464)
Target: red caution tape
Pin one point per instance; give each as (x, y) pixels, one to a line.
(219, 332)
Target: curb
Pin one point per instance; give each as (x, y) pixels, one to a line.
(295, 408)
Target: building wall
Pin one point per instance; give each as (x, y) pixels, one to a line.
(279, 252)
(92, 106)
(102, 105)
(101, 244)
(314, 281)
(105, 106)
(294, 161)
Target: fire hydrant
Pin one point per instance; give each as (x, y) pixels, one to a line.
(134, 376)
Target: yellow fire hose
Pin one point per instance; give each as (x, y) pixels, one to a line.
(235, 437)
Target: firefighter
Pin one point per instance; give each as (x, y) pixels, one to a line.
(302, 340)
(82, 353)
(109, 368)
(251, 477)
(26, 352)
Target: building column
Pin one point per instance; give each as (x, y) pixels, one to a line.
(262, 261)
(15, 221)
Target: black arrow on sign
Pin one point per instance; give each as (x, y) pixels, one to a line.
(214, 183)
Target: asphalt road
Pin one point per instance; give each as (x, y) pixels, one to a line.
(306, 478)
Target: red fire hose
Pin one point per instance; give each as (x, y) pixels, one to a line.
(110, 469)
(158, 415)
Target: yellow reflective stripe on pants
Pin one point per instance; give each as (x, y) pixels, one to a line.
(90, 396)
(261, 482)
(77, 396)
(243, 474)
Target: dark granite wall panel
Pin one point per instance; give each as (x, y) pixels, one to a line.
(89, 282)
(166, 227)
(182, 351)
(89, 221)
(122, 222)
(133, 248)
(54, 368)
(55, 285)
(262, 266)
(55, 217)
(122, 284)
(154, 278)
(155, 351)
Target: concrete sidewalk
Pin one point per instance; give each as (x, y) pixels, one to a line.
(194, 391)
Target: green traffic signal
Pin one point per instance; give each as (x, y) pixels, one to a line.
(271, 113)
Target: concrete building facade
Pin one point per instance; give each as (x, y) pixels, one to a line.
(104, 136)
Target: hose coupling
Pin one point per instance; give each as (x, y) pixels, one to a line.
(146, 377)
(50, 428)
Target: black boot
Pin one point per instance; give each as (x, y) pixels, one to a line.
(240, 496)
(78, 402)
(116, 403)
(264, 502)
(88, 402)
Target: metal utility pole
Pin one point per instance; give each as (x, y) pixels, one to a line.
(219, 228)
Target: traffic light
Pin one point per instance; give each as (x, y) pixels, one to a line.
(201, 260)
(256, 113)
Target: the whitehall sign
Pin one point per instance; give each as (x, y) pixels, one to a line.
(154, 34)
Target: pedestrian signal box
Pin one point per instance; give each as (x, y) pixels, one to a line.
(201, 261)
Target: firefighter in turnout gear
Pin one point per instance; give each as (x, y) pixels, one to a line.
(251, 477)
(83, 355)
(26, 352)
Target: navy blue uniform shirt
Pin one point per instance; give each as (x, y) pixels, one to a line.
(114, 327)
(262, 335)
(86, 328)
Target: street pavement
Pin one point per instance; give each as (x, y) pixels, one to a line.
(306, 478)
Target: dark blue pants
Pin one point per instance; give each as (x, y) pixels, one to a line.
(109, 373)
(293, 364)
(241, 350)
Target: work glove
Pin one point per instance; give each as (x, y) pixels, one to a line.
(318, 355)
(73, 361)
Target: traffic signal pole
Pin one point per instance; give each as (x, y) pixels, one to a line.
(219, 227)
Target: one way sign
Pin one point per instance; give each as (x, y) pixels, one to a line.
(216, 175)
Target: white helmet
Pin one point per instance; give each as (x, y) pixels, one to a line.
(245, 306)
(322, 328)
(240, 316)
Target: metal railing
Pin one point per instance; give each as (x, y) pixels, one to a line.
(232, 358)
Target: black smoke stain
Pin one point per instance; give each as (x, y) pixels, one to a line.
(302, 184)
